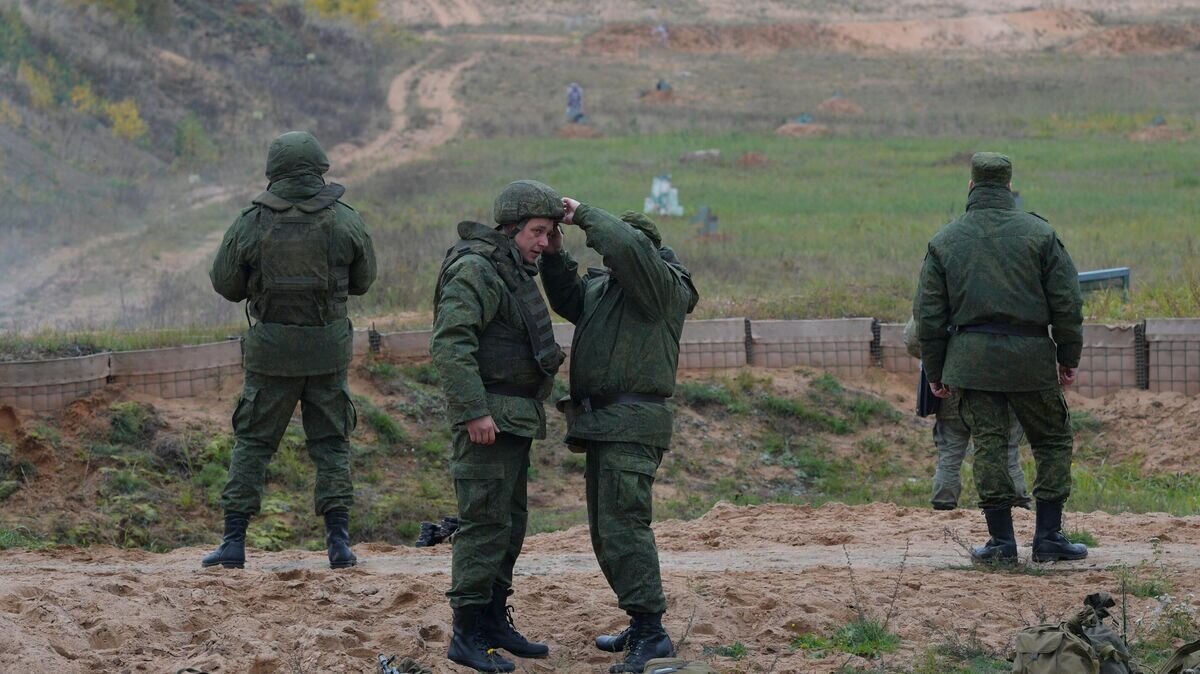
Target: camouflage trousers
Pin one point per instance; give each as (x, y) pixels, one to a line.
(1047, 423)
(259, 422)
(620, 479)
(490, 482)
(953, 441)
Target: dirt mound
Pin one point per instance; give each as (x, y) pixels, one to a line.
(659, 96)
(840, 107)
(1151, 134)
(1017, 31)
(803, 130)
(629, 39)
(578, 131)
(1152, 38)
(753, 160)
(1158, 430)
(761, 576)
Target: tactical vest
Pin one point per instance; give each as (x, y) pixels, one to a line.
(506, 353)
(297, 282)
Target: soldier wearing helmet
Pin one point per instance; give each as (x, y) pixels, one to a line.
(494, 349)
(295, 255)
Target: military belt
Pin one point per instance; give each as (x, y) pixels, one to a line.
(512, 390)
(600, 402)
(1004, 329)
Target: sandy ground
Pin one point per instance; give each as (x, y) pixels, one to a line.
(759, 575)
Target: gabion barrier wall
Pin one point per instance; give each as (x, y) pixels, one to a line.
(1174, 354)
(1160, 354)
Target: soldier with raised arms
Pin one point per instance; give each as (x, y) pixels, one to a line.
(628, 320)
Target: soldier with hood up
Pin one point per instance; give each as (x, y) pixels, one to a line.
(628, 320)
(295, 255)
(494, 349)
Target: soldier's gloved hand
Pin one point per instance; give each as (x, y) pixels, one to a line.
(569, 206)
(939, 390)
(482, 430)
(1066, 375)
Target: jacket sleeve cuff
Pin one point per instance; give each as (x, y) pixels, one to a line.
(468, 411)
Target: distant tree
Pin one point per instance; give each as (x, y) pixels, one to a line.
(41, 92)
(126, 120)
(193, 146)
(84, 100)
(359, 11)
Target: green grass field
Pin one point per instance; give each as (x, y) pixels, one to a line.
(829, 228)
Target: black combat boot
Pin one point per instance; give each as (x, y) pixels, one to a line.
(469, 648)
(647, 640)
(1001, 548)
(231, 554)
(500, 632)
(337, 539)
(615, 643)
(1049, 543)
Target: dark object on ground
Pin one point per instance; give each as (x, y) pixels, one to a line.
(337, 539)
(405, 666)
(232, 552)
(432, 534)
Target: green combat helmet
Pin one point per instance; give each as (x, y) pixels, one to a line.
(526, 199)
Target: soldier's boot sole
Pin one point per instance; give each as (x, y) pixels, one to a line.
(224, 565)
(343, 565)
(1058, 556)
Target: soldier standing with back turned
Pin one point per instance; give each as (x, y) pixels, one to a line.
(493, 345)
(295, 256)
(993, 281)
(628, 320)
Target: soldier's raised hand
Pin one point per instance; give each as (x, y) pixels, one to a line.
(554, 241)
(569, 206)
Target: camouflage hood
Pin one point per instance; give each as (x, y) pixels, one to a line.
(296, 154)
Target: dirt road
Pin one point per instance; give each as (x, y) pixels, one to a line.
(758, 575)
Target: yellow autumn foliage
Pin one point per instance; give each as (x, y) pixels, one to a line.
(126, 120)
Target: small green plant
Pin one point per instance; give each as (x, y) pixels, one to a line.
(20, 537)
(736, 651)
(865, 637)
(814, 644)
(127, 422)
(1083, 536)
(423, 373)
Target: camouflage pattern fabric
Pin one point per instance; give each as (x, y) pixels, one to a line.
(620, 481)
(628, 320)
(295, 167)
(490, 482)
(472, 299)
(995, 264)
(1047, 422)
(953, 440)
(262, 417)
(524, 199)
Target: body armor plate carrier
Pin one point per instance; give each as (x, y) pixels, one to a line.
(505, 354)
(298, 283)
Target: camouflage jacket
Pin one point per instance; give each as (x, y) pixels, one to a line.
(293, 350)
(995, 264)
(471, 295)
(628, 320)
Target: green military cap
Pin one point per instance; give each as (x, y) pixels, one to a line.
(991, 168)
(643, 224)
(293, 154)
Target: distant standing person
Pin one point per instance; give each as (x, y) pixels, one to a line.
(994, 280)
(574, 103)
(494, 349)
(628, 319)
(952, 438)
(294, 255)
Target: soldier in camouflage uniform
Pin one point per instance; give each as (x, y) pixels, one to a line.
(993, 281)
(294, 255)
(952, 439)
(493, 345)
(628, 318)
